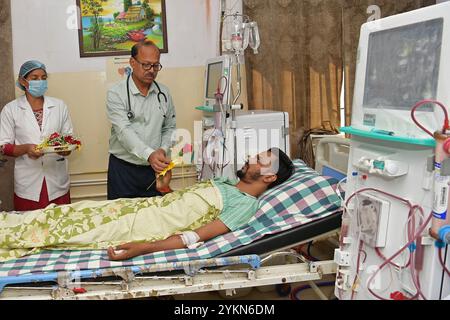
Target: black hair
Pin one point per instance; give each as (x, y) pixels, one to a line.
(285, 167)
(140, 44)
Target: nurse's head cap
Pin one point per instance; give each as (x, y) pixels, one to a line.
(27, 67)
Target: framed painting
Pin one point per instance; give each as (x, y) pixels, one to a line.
(112, 27)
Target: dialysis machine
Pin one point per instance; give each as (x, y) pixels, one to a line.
(229, 134)
(396, 225)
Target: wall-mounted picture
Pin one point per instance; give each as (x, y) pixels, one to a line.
(112, 27)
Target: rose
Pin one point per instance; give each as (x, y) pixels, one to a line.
(68, 139)
(54, 135)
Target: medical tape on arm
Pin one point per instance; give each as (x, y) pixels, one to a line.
(190, 239)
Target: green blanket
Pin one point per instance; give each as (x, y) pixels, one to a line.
(99, 224)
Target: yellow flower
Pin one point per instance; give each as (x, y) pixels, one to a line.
(171, 165)
(42, 145)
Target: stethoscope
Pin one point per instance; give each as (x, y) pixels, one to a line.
(130, 113)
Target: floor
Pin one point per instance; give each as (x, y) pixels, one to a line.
(322, 250)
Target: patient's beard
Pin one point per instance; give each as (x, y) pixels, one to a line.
(240, 173)
(247, 176)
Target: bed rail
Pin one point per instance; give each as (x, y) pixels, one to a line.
(332, 155)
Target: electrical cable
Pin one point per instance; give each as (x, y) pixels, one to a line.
(441, 260)
(339, 194)
(297, 290)
(308, 250)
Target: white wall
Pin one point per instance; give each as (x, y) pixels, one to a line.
(46, 30)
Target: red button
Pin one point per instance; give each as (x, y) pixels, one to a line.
(397, 295)
(79, 290)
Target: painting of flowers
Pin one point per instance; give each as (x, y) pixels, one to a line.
(112, 27)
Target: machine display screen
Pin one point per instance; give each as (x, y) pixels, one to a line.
(213, 77)
(403, 66)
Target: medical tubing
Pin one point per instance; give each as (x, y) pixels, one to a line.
(222, 18)
(299, 289)
(416, 254)
(413, 253)
(441, 260)
(415, 278)
(412, 239)
(284, 254)
(339, 194)
(416, 235)
(233, 127)
(382, 256)
(358, 264)
(239, 80)
(222, 112)
(218, 86)
(345, 215)
(204, 153)
(420, 103)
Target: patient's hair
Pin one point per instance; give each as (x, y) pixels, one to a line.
(140, 44)
(285, 167)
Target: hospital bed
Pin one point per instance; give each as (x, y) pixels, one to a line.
(232, 261)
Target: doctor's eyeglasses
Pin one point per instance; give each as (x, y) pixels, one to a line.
(148, 66)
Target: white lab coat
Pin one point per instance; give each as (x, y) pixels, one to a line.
(18, 125)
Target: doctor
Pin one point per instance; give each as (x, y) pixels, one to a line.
(38, 179)
(142, 115)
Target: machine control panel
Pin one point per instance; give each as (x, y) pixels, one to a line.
(382, 167)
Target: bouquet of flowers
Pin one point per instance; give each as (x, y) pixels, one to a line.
(57, 142)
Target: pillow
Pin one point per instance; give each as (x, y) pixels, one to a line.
(305, 193)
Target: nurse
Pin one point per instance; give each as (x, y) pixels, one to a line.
(39, 179)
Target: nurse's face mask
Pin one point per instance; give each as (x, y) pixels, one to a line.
(37, 88)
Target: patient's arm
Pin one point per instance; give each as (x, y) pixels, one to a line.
(211, 230)
(133, 249)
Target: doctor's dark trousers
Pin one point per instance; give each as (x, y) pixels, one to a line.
(128, 180)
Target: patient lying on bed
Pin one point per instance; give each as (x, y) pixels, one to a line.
(132, 227)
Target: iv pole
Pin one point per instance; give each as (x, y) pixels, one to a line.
(238, 45)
